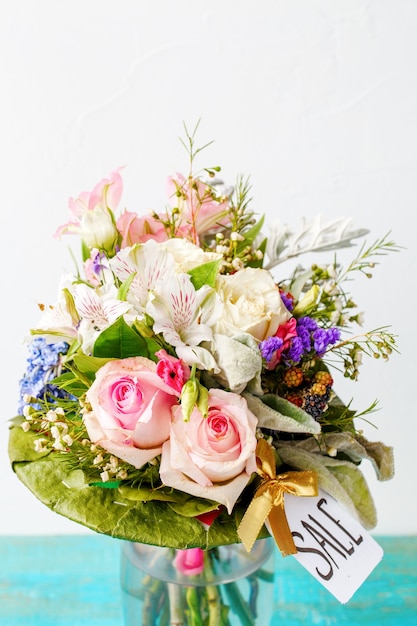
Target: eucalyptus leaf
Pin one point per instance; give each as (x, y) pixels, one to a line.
(276, 413)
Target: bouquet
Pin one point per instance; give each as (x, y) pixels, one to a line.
(181, 372)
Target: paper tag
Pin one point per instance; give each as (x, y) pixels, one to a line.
(331, 545)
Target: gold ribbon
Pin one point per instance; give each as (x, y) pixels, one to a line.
(268, 501)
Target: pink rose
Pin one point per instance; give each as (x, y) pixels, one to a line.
(212, 457)
(130, 413)
(134, 229)
(189, 562)
(174, 372)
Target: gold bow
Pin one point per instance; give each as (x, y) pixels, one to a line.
(268, 501)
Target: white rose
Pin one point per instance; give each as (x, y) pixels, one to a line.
(187, 256)
(251, 304)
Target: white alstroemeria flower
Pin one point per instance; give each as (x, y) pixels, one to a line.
(185, 316)
(60, 320)
(150, 263)
(98, 309)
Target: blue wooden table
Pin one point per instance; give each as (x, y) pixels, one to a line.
(74, 581)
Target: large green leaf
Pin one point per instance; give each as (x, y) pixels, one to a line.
(108, 511)
(120, 341)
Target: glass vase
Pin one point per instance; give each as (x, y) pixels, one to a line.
(234, 588)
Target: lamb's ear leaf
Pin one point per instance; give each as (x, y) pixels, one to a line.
(339, 478)
(278, 413)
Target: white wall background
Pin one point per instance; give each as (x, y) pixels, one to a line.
(316, 99)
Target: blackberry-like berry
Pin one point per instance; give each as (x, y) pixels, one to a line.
(293, 377)
(324, 378)
(318, 389)
(295, 398)
(314, 405)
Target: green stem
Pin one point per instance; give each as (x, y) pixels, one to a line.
(214, 600)
(238, 604)
(153, 591)
(193, 603)
(253, 596)
(214, 605)
(175, 605)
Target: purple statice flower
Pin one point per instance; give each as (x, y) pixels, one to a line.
(305, 337)
(324, 337)
(333, 335)
(308, 323)
(311, 340)
(288, 300)
(269, 346)
(305, 327)
(295, 351)
(320, 341)
(42, 361)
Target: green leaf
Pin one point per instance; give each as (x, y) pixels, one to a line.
(108, 511)
(251, 234)
(239, 360)
(356, 448)
(258, 263)
(124, 287)
(22, 444)
(114, 484)
(380, 455)
(278, 413)
(120, 341)
(71, 383)
(191, 507)
(205, 274)
(89, 365)
(147, 494)
(341, 479)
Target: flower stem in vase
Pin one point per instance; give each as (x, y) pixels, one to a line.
(153, 600)
(193, 604)
(238, 604)
(213, 595)
(175, 605)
